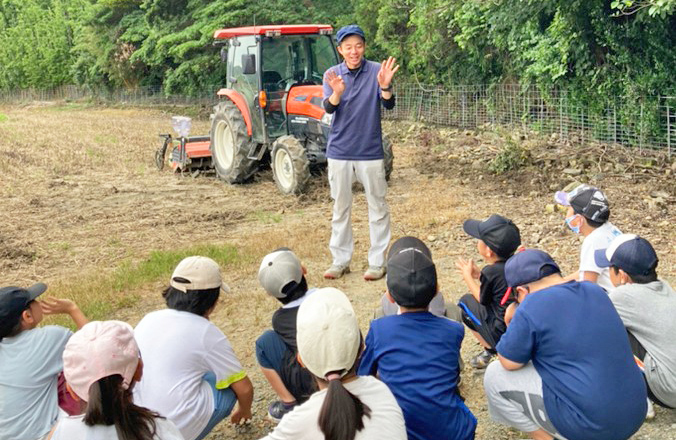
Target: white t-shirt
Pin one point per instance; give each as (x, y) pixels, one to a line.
(30, 363)
(178, 349)
(73, 428)
(600, 238)
(386, 421)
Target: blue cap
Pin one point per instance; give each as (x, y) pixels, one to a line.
(629, 252)
(528, 266)
(348, 30)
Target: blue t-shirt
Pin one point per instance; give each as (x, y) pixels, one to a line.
(416, 355)
(592, 388)
(355, 130)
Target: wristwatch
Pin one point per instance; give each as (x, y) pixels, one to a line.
(388, 89)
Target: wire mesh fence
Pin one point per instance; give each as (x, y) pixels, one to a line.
(647, 123)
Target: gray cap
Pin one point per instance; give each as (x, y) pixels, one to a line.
(277, 270)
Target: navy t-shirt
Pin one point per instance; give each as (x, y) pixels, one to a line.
(356, 132)
(416, 355)
(592, 388)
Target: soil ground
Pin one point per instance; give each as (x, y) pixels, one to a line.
(81, 196)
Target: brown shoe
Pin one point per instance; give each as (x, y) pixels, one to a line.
(336, 271)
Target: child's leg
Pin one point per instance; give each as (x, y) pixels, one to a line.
(224, 402)
(475, 317)
(270, 351)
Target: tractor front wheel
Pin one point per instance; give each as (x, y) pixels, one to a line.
(290, 165)
(230, 144)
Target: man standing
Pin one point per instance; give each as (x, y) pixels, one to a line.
(565, 367)
(353, 91)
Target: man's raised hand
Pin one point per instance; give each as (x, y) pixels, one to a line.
(335, 82)
(387, 70)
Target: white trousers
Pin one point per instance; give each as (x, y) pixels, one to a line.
(371, 174)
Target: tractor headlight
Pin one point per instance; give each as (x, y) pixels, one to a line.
(326, 118)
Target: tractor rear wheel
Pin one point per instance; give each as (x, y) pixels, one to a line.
(388, 159)
(290, 165)
(230, 144)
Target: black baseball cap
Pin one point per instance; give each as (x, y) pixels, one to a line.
(500, 234)
(588, 201)
(528, 266)
(411, 274)
(14, 300)
(631, 253)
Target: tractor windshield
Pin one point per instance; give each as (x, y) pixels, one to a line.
(296, 59)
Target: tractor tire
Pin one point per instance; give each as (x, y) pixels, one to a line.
(388, 159)
(290, 165)
(230, 144)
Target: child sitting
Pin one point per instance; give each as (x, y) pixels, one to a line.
(437, 306)
(416, 353)
(283, 277)
(646, 305)
(102, 363)
(346, 407)
(587, 213)
(30, 361)
(192, 375)
(483, 309)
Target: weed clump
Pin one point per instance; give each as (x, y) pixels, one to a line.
(511, 156)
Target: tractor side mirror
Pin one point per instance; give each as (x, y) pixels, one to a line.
(248, 64)
(224, 54)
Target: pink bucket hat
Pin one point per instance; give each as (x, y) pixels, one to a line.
(100, 349)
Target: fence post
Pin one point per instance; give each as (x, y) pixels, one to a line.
(668, 130)
(640, 131)
(614, 124)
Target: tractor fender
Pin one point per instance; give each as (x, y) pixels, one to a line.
(240, 102)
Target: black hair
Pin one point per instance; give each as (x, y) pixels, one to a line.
(11, 325)
(194, 301)
(342, 413)
(642, 278)
(293, 291)
(110, 404)
(594, 224)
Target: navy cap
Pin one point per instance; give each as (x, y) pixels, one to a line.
(629, 252)
(528, 266)
(13, 301)
(411, 274)
(499, 233)
(348, 30)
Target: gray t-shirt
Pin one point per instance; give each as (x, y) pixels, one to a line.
(30, 363)
(647, 311)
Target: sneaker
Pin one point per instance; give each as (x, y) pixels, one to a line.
(650, 414)
(481, 360)
(336, 271)
(374, 273)
(278, 409)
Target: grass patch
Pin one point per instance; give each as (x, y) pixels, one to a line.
(3, 117)
(267, 217)
(99, 295)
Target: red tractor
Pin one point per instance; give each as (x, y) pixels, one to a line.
(271, 108)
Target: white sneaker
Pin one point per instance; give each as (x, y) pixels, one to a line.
(650, 414)
(336, 271)
(374, 273)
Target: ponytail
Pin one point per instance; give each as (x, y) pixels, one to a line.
(110, 404)
(342, 413)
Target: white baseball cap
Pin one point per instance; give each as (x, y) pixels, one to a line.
(197, 273)
(277, 270)
(100, 349)
(327, 333)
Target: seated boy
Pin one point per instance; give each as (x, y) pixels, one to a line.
(191, 374)
(437, 307)
(416, 353)
(565, 368)
(31, 361)
(483, 309)
(646, 305)
(283, 277)
(588, 213)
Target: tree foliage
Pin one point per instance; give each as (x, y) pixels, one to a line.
(594, 48)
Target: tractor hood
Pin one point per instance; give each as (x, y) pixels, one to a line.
(306, 101)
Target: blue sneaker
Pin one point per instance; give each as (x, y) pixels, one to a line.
(278, 409)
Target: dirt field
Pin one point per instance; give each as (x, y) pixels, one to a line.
(81, 196)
